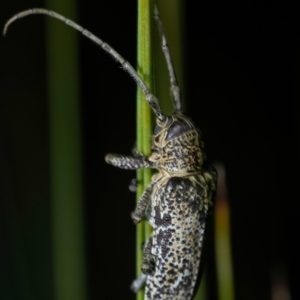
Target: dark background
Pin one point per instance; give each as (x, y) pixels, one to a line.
(241, 80)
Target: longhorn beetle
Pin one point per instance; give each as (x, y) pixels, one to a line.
(180, 196)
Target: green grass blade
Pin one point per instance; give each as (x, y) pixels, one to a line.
(202, 290)
(65, 152)
(144, 126)
(145, 67)
(224, 267)
(172, 15)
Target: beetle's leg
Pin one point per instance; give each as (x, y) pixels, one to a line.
(148, 265)
(133, 185)
(135, 152)
(175, 90)
(148, 262)
(134, 182)
(140, 210)
(138, 283)
(128, 162)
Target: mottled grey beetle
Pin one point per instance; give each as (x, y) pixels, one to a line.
(180, 196)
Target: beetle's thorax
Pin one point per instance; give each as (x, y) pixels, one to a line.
(178, 146)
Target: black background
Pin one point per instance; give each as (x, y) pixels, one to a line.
(242, 77)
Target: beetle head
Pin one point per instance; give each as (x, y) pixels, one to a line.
(172, 127)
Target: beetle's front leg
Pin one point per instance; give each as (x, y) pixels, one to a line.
(140, 209)
(128, 162)
(134, 183)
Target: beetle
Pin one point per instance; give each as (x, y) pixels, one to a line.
(180, 196)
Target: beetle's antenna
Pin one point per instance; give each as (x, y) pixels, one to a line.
(150, 98)
(175, 90)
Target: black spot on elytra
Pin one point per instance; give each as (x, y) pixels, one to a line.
(171, 272)
(202, 217)
(163, 240)
(164, 221)
(195, 204)
(171, 280)
(187, 281)
(158, 220)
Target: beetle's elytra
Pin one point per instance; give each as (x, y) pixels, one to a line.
(180, 196)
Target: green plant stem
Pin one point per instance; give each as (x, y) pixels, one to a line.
(201, 293)
(224, 267)
(144, 67)
(172, 15)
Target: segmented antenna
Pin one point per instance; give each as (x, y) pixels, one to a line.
(150, 98)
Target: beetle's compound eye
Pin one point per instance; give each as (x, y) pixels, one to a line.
(157, 129)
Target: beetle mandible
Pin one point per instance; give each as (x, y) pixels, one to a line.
(180, 196)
